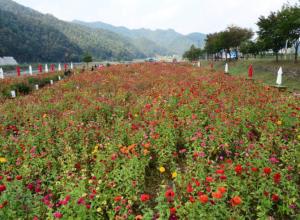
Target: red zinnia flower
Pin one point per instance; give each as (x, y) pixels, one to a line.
(192, 199)
(275, 198)
(223, 177)
(254, 169)
(222, 189)
(267, 170)
(217, 195)
(266, 193)
(238, 169)
(197, 183)
(221, 171)
(2, 188)
(169, 195)
(209, 179)
(203, 199)
(172, 210)
(145, 197)
(189, 188)
(80, 201)
(57, 215)
(118, 198)
(30, 186)
(236, 201)
(277, 177)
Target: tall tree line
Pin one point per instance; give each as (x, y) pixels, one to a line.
(275, 32)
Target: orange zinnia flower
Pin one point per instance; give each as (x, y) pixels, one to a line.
(217, 195)
(222, 189)
(138, 217)
(203, 199)
(236, 201)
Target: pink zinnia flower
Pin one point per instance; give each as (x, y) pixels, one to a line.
(57, 215)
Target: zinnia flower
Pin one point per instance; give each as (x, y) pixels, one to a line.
(236, 201)
(2, 188)
(209, 179)
(222, 189)
(118, 198)
(145, 197)
(170, 195)
(174, 175)
(267, 170)
(138, 217)
(203, 199)
(220, 171)
(277, 177)
(57, 215)
(189, 188)
(238, 169)
(254, 169)
(217, 195)
(173, 210)
(162, 169)
(3, 160)
(275, 198)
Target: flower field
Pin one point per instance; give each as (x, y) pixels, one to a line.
(151, 141)
(25, 84)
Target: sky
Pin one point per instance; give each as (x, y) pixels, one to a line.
(184, 16)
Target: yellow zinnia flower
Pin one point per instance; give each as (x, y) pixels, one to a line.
(174, 175)
(279, 123)
(3, 160)
(162, 169)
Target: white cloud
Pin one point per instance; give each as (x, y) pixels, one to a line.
(184, 16)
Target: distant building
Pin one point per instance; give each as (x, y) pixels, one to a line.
(6, 61)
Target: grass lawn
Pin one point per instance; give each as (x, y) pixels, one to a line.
(264, 70)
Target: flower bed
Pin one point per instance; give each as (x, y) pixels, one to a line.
(24, 85)
(150, 141)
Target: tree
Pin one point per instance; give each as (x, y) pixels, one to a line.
(270, 33)
(227, 40)
(213, 43)
(193, 53)
(250, 47)
(87, 59)
(289, 25)
(234, 36)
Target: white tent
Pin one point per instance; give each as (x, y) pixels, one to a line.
(72, 66)
(59, 67)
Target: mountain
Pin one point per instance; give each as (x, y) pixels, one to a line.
(166, 41)
(32, 36)
(197, 37)
(27, 40)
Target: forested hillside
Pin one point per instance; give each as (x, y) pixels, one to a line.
(161, 41)
(27, 40)
(32, 36)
